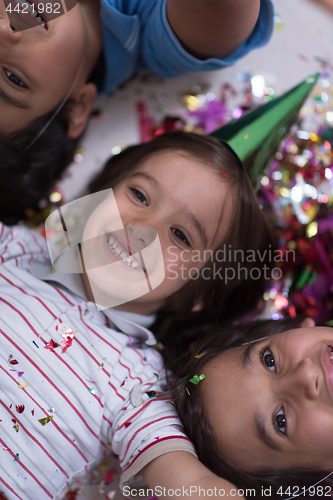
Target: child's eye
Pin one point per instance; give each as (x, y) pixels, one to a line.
(139, 196)
(280, 421)
(14, 79)
(180, 236)
(267, 359)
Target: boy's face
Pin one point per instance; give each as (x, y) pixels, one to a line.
(271, 403)
(38, 65)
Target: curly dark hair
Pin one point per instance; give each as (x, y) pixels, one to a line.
(198, 429)
(28, 173)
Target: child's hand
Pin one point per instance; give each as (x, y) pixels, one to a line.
(180, 470)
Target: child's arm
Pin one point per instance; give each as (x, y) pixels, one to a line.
(212, 28)
(181, 471)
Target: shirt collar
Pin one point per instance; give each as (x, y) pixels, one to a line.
(134, 325)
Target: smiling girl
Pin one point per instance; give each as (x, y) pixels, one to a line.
(262, 416)
(196, 194)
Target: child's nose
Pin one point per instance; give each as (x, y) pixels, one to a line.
(301, 381)
(7, 35)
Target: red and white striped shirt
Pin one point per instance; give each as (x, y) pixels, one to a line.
(87, 389)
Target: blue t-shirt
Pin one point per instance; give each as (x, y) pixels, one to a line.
(137, 35)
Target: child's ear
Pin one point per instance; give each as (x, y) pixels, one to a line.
(308, 322)
(80, 110)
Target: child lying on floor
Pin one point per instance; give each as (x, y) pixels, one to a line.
(73, 378)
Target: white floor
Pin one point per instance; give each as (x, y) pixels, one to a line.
(303, 33)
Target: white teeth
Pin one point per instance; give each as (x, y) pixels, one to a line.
(116, 248)
(28, 8)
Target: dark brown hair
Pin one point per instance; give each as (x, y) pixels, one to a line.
(198, 429)
(27, 174)
(177, 325)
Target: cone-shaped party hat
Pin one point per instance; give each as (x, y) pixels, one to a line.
(255, 136)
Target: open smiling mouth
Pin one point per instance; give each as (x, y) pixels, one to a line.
(117, 248)
(27, 12)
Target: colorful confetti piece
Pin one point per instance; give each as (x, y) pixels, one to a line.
(151, 394)
(45, 420)
(20, 408)
(196, 379)
(23, 386)
(51, 345)
(198, 356)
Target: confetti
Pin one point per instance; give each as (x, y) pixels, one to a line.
(188, 392)
(45, 420)
(33, 413)
(72, 494)
(151, 394)
(68, 336)
(35, 344)
(23, 386)
(20, 408)
(224, 173)
(92, 391)
(51, 345)
(17, 457)
(16, 427)
(198, 356)
(196, 379)
(13, 362)
(109, 475)
(20, 374)
(127, 424)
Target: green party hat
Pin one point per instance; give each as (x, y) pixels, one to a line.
(255, 136)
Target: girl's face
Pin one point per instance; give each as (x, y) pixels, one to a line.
(39, 65)
(271, 403)
(183, 201)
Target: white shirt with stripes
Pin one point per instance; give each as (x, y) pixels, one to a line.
(86, 390)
